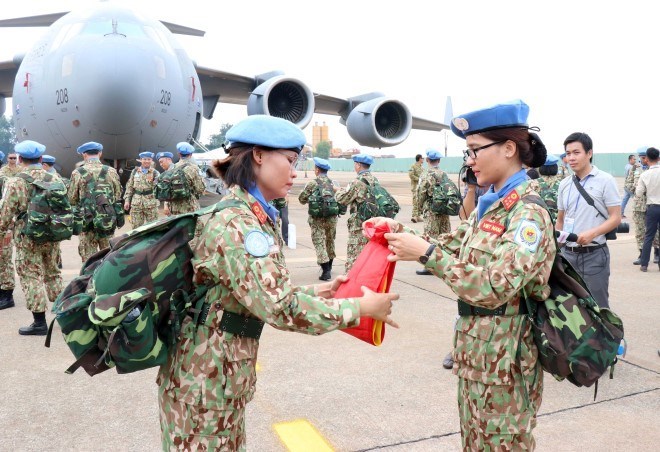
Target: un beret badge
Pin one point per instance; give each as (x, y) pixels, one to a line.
(461, 124)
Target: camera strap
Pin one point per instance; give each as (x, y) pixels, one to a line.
(586, 196)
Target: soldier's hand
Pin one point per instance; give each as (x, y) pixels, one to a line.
(127, 206)
(328, 290)
(166, 211)
(378, 221)
(378, 305)
(405, 246)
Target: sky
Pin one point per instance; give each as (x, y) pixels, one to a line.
(581, 66)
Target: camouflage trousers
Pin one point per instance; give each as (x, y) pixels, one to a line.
(416, 211)
(90, 244)
(7, 281)
(194, 427)
(356, 242)
(142, 216)
(324, 231)
(500, 417)
(185, 206)
(36, 264)
(639, 218)
(435, 225)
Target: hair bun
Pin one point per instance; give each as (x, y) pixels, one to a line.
(539, 152)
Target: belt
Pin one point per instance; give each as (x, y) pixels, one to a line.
(235, 323)
(144, 192)
(465, 309)
(585, 249)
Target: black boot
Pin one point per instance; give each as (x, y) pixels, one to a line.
(423, 272)
(639, 259)
(656, 255)
(6, 299)
(37, 328)
(325, 274)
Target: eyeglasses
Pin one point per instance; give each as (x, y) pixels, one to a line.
(472, 153)
(11, 158)
(293, 162)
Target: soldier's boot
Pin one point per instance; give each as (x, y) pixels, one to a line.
(325, 274)
(37, 328)
(639, 259)
(423, 272)
(6, 299)
(656, 255)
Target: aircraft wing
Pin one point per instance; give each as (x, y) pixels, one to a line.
(43, 20)
(8, 70)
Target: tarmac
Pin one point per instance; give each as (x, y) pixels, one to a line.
(335, 392)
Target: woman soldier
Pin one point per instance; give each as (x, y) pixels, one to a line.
(210, 377)
(502, 253)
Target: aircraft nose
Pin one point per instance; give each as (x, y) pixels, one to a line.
(119, 83)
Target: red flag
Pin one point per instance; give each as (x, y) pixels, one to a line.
(373, 270)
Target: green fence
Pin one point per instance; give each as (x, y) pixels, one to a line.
(611, 163)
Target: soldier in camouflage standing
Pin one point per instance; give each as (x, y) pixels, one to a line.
(324, 229)
(504, 249)
(434, 224)
(32, 259)
(210, 375)
(639, 207)
(139, 196)
(195, 184)
(7, 282)
(48, 164)
(165, 161)
(548, 183)
(414, 174)
(351, 197)
(90, 241)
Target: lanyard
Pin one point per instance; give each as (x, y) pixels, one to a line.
(579, 196)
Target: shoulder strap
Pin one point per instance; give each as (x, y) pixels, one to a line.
(26, 177)
(586, 197)
(104, 172)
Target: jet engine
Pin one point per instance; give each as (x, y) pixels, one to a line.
(379, 122)
(283, 97)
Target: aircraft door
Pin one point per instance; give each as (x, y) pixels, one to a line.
(198, 122)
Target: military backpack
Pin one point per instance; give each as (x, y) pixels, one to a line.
(49, 216)
(445, 198)
(322, 202)
(548, 193)
(173, 185)
(101, 213)
(126, 307)
(377, 203)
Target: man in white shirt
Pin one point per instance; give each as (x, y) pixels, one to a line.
(649, 186)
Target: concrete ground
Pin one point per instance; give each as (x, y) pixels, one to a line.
(355, 396)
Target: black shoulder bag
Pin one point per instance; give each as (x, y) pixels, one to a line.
(610, 235)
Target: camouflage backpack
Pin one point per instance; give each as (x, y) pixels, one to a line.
(173, 184)
(577, 339)
(548, 193)
(279, 203)
(126, 308)
(378, 203)
(445, 199)
(322, 202)
(101, 214)
(49, 217)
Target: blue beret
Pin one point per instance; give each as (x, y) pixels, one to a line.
(30, 149)
(2, 155)
(322, 163)
(269, 131)
(146, 155)
(185, 148)
(500, 116)
(551, 160)
(433, 154)
(160, 155)
(562, 156)
(363, 158)
(642, 151)
(91, 146)
(47, 159)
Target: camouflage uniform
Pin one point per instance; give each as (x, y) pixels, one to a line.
(324, 230)
(639, 207)
(414, 174)
(140, 195)
(36, 263)
(196, 184)
(487, 263)
(90, 243)
(552, 183)
(209, 379)
(6, 262)
(351, 196)
(434, 224)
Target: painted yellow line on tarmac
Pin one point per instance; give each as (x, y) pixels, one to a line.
(257, 367)
(301, 436)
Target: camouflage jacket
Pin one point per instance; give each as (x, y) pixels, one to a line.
(426, 185)
(639, 202)
(197, 187)
(488, 263)
(78, 186)
(6, 172)
(553, 181)
(140, 189)
(306, 192)
(414, 174)
(217, 369)
(354, 194)
(15, 199)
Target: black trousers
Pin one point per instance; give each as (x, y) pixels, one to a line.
(652, 224)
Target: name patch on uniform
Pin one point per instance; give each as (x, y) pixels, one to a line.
(509, 200)
(528, 235)
(492, 227)
(257, 243)
(259, 212)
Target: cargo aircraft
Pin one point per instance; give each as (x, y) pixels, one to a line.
(112, 75)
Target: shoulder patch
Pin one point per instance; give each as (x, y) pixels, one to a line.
(256, 243)
(528, 235)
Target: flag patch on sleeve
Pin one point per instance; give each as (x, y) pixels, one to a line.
(528, 235)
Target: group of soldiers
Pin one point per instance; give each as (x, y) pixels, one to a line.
(38, 264)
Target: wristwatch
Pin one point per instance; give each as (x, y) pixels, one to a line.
(424, 258)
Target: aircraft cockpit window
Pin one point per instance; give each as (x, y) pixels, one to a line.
(130, 29)
(158, 38)
(97, 27)
(65, 34)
